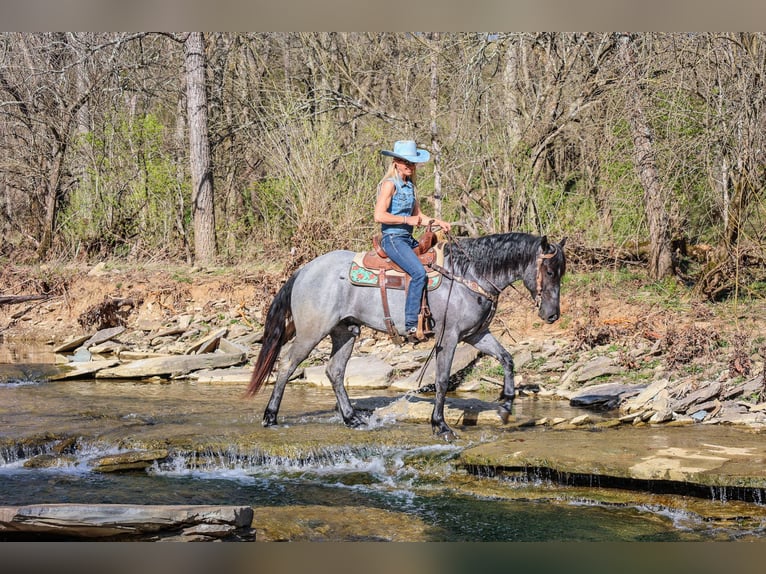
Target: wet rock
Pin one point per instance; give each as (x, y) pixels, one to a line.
(327, 523)
(457, 412)
(50, 461)
(173, 365)
(621, 453)
(607, 396)
(129, 522)
(581, 420)
(79, 370)
(129, 460)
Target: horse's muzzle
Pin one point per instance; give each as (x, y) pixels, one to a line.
(549, 316)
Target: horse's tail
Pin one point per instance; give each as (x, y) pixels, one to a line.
(277, 331)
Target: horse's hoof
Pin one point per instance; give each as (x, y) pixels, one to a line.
(355, 421)
(269, 420)
(445, 433)
(504, 412)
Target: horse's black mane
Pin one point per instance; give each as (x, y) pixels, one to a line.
(492, 256)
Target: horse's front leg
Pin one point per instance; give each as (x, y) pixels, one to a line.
(444, 355)
(485, 342)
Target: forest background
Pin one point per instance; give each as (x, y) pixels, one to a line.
(220, 148)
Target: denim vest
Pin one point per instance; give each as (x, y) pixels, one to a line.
(402, 204)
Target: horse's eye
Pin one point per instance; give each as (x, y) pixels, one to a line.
(549, 273)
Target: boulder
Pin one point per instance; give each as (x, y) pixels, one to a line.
(361, 372)
(607, 396)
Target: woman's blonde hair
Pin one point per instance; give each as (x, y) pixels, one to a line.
(391, 173)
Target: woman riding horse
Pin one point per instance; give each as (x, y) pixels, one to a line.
(397, 209)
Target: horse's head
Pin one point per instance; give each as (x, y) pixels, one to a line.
(543, 278)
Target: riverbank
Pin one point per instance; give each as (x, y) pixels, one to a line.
(659, 357)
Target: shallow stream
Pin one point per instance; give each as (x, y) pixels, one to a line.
(312, 478)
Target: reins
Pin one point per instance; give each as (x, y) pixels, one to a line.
(471, 284)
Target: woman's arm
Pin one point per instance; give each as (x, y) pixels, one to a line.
(422, 219)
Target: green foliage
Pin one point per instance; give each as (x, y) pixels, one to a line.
(129, 195)
(533, 129)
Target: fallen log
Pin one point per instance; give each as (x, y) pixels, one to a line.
(16, 299)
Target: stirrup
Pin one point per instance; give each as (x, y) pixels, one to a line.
(425, 325)
(415, 335)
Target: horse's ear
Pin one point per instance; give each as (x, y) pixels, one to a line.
(563, 242)
(544, 245)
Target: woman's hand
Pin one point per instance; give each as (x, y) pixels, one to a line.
(434, 222)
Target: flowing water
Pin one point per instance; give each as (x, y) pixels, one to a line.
(311, 478)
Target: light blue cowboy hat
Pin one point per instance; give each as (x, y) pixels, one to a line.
(407, 150)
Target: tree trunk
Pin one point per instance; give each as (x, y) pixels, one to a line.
(511, 197)
(52, 185)
(199, 150)
(434, 106)
(655, 196)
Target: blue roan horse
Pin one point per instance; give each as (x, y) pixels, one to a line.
(319, 300)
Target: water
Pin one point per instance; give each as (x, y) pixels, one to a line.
(310, 478)
(446, 514)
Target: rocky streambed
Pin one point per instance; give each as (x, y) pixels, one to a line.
(130, 400)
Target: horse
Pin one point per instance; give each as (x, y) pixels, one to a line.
(319, 300)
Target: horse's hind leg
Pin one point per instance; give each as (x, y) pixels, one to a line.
(343, 338)
(298, 352)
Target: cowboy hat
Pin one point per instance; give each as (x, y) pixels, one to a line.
(407, 150)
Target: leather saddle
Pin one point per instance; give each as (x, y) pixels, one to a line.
(374, 269)
(378, 259)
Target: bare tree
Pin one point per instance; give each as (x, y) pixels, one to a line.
(45, 83)
(655, 194)
(433, 99)
(202, 199)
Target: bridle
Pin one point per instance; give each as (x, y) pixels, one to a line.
(477, 288)
(539, 279)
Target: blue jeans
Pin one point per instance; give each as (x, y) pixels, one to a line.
(399, 249)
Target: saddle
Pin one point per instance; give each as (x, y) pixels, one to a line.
(374, 269)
